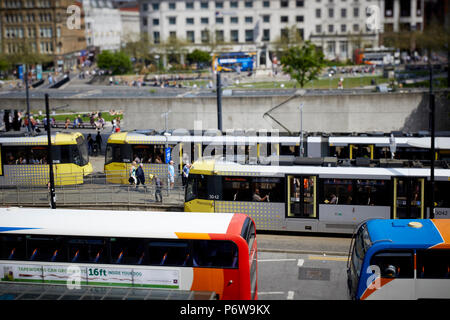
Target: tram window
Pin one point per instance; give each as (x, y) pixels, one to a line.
(273, 187)
(394, 264)
(128, 251)
(286, 150)
(236, 189)
(433, 264)
(340, 152)
(42, 248)
(441, 194)
(360, 151)
(87, 250)
(170, 253)
(12, 247)
(371, 193)
(215, 253)
(337, 191)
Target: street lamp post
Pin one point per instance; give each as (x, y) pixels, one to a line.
(301, 130)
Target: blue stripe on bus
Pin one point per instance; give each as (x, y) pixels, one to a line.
(6, 229)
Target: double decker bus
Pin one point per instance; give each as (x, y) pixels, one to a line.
(400, 259)
(234, 61)
(169, 250)
(24, 159)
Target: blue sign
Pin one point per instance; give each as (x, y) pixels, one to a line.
(39, 71)
(20, 71)
(168, 155)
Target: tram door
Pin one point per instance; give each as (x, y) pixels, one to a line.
(409, 198)
(301, 197)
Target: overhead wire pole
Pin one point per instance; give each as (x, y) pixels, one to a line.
(49, 154)
(432, 129)
(219, 102)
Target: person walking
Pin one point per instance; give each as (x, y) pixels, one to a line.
(158, 187)
(132, 179)
(185, 175)
(140, 176)
(98, 140)
(171, 174)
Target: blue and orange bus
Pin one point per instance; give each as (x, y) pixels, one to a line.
(400, 259)
(234, 61)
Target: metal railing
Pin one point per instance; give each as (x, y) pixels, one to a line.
(95, 191)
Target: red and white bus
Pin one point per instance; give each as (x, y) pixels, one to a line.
(170, 250)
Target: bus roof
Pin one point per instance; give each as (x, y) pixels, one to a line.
(58, 138)
(110, 223)
(408, 233)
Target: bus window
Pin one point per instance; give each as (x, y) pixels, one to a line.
(215, 253)
(42, 248)
(12, 247)
(127, 251)
(168, 252)
(433, 264)
(394, 264)
(87, 251)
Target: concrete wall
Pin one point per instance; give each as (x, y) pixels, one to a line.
(321, 113)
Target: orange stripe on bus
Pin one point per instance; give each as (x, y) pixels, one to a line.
(196, 236)
(444, 229)
(206, 279)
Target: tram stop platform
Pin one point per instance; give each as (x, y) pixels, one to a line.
(28, 291)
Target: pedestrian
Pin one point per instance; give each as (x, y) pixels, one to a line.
(90, 142)
(132, 179)
(185, 175)
(140, 176)
(158, 185)
(98, 140)
(171, 174)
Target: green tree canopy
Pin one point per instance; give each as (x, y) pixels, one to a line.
(117, 62)
(303, 63)
(199, 56)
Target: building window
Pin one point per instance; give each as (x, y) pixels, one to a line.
(248, 4)
(330, 28)
(284, 19)
(266, 35)
(219, 20)
(266, 18)
(144, 21)
(156, 22)
(234, 20)
(190, 36)
(233, 4)
(266, 4)
(318, 28)
(249, 35)
(219, 4)
(234, 36)
(156, 38)
(189, 20)
(356, 12)
(205, 36)
(299, 18)
(204, 5)
(155, 6)
(330, 12)
(172, 5)
(356, 27)
(172, 20)
(299, 3)
(204, 20)
(220, 36)
(318, 13)
(189, 5)
(344, 13)
(284, 3)
(343, 28)
(248, 19)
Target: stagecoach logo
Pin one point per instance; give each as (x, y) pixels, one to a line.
(374, 280)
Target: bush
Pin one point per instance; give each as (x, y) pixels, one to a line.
(117, 62)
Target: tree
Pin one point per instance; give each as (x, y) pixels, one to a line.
(303, 63)
(118, 62)
(199, 56)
